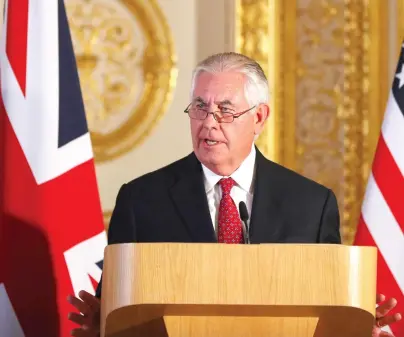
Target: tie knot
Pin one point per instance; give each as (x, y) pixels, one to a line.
(226, 184)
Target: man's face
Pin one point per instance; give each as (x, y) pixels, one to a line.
(223, 146)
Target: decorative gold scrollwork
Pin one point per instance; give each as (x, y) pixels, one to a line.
(127, 70)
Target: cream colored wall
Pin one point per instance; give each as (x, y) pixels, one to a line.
(199, 28)
(1, 16)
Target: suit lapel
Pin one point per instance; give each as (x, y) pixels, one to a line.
(266, 222)
(189, 196)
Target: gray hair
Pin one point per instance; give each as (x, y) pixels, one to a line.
(256, 88)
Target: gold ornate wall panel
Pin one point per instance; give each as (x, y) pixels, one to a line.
(127, 69)
(327, 64)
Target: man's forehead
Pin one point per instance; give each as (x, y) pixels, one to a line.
(220, 87)
(219, 82)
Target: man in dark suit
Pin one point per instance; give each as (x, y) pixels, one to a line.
(171, 205)
(196, 198)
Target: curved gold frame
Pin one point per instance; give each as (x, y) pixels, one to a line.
(159, 73)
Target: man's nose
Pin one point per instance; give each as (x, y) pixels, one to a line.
(210, 121)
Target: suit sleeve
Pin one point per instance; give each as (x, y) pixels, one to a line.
(330, 221)
(122, 228)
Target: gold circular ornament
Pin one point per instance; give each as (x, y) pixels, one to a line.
(127, 70)
(107, 218)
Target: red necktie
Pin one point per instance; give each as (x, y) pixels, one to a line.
(230, 229)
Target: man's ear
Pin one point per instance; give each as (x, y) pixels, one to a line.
(261, 115)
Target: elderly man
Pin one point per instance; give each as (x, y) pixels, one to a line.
(194, 199)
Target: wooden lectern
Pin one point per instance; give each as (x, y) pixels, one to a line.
(206, 290)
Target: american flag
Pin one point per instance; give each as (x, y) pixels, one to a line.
(382, 218)
(52, 235)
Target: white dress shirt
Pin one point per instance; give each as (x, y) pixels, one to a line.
(241, 191)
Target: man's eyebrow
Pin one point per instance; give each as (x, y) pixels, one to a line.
(199, 100)
(225, 102)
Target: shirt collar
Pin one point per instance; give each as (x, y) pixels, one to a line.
(243, 176)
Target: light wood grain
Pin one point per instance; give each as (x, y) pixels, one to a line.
(169, 289)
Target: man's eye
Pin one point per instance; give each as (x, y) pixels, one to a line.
(224, 109)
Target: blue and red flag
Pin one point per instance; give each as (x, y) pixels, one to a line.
(52, 235)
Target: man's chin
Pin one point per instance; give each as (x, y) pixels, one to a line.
(213, 153)
(210, 157)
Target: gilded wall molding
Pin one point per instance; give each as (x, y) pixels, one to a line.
(253, 38)
(354, 111)
(327, 65)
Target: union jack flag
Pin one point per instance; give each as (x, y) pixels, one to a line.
(52, 235)
(382, 219)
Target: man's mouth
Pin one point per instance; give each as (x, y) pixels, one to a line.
(210, 142)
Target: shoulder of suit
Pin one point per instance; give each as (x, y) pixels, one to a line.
(290, 178)
(167, 174)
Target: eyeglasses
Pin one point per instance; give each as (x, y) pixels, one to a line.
(224, 115)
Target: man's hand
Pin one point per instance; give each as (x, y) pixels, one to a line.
(89, 314)
(382, 317)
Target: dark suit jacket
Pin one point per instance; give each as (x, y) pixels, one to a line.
(170, 205)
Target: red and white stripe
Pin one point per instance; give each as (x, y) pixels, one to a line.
(382, 219)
